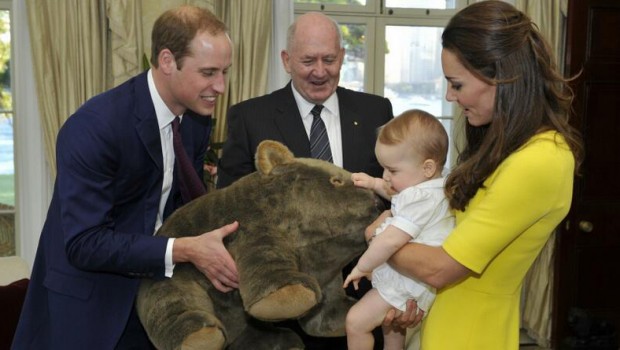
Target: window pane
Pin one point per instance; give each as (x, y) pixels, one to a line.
(413, 74)
(7, 172)
(422, 4)
(333, 2)
(352, 72)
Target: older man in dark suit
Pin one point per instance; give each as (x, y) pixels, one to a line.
(313, 59)
(311, 101)
(116, 184)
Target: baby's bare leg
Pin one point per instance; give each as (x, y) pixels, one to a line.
(363, 317)
(393, 338)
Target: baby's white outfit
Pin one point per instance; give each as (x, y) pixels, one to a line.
(423, 212)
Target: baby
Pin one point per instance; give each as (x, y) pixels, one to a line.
(412, 148)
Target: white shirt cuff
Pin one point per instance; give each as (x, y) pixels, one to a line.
(168, 258)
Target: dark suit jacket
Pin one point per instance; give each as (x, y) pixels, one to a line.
(276, 117)
(97, 241)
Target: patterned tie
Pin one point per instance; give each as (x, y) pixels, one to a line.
(190, 185)
(319, 142)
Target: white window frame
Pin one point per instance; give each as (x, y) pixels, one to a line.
(382, 23)
(377, 7)
(371, 46)
(376, 17)
(33, 184)
(372, 6)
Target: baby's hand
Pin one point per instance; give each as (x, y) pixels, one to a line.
(363, 180)
(355, 276)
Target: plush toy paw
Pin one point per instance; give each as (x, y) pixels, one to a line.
(290, 301)
(208, 338)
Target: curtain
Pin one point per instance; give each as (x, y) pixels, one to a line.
(283, 16)
(83, 47)
(68, 44)
(250, 24)
(537, 296)
(550, 17)
(126, 49)
(130, 24)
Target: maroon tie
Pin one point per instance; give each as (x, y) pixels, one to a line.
(190, 185)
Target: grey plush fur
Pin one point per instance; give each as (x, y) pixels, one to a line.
(301, 221)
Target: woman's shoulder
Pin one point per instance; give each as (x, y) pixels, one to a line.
(546, 150)
(545, 145)
(550, 139)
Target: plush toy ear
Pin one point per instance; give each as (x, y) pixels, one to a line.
(270, 154)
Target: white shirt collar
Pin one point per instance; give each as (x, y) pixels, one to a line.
(331, 104)
(163, 113)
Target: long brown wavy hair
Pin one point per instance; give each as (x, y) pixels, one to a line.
(500, 45)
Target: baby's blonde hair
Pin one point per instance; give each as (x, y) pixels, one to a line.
(422, 131)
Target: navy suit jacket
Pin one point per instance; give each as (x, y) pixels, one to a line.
(97, 241)
(276, 117)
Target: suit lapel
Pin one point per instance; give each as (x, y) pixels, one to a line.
(147, 128)
(289, 123)
(350, 122)
(146, 121)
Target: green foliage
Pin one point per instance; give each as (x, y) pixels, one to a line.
(6, 102)
(354, 39)
(7, 190)
(7, 232)
(146, 64)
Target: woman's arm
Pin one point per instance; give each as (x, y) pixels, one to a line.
(432, 265)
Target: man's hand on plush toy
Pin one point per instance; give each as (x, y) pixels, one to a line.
(208, 254)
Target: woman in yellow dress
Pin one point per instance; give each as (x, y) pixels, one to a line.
(513, 181)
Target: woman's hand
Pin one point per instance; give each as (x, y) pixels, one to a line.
(408, 319)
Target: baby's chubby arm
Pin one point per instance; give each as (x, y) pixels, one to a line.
(376, 184)
(378, 252)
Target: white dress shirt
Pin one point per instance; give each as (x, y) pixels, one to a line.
(164, 120)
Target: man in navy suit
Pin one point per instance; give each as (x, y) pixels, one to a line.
(115, 186)
(313, 58)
